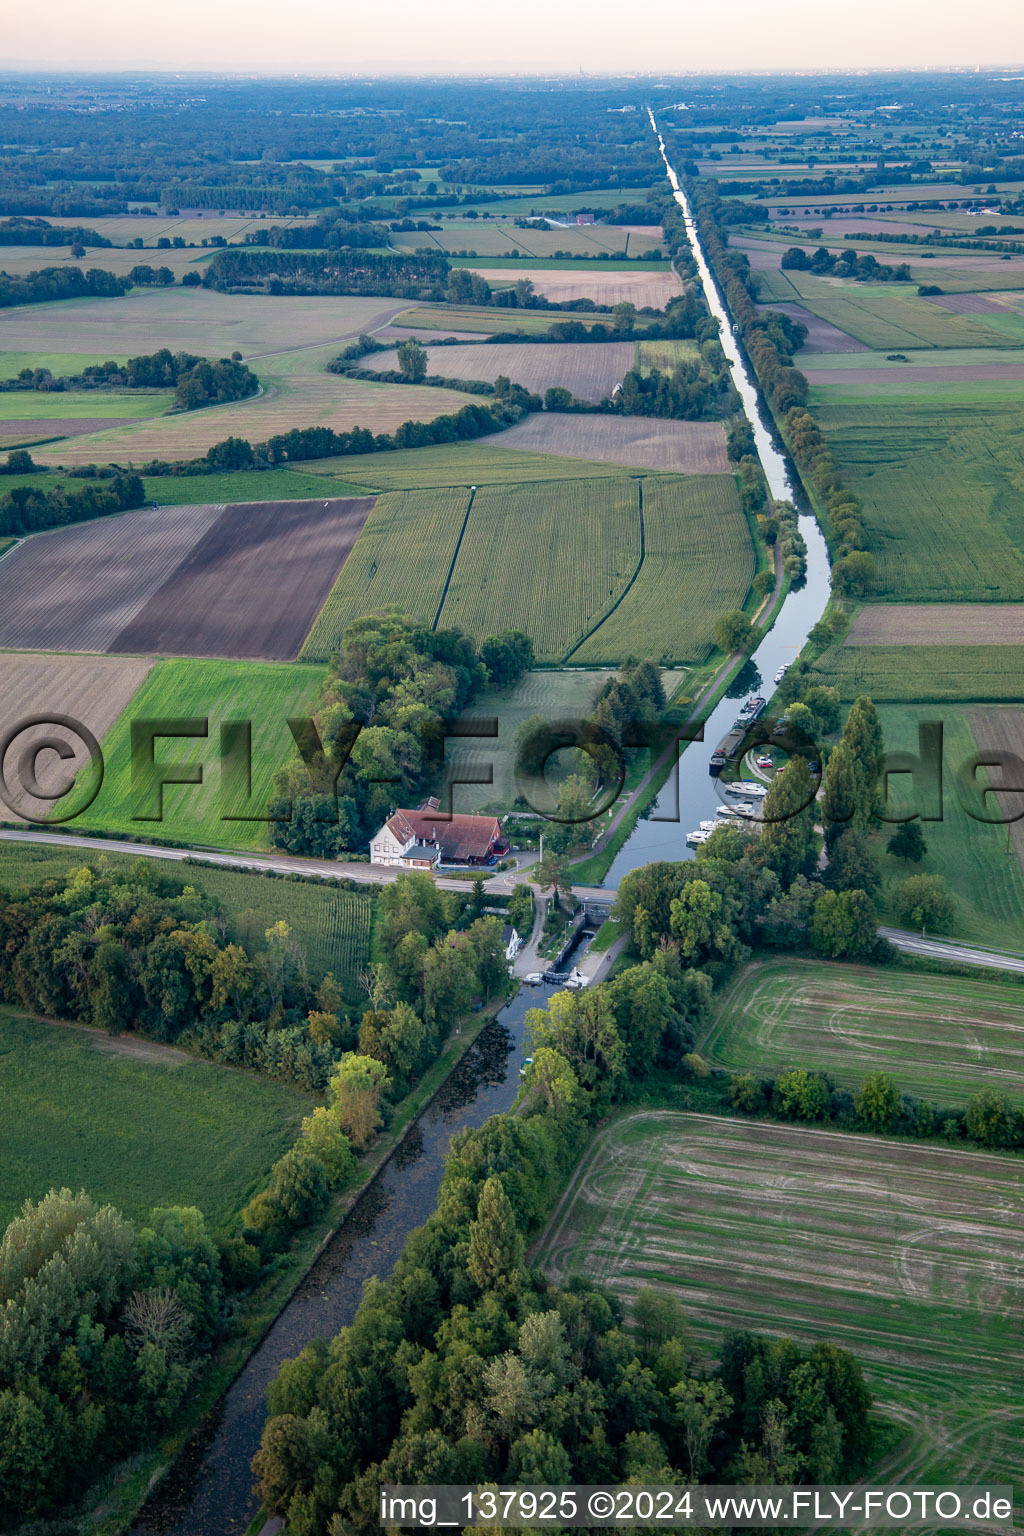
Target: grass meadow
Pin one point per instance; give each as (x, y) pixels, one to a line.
(263, 693)
(942, 1038)
(924, 673)
(137, 1125)
(907, 1254)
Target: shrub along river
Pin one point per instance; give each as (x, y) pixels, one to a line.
(662, 834)
(209, 1490)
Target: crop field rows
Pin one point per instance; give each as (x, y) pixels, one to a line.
(644, 284)
(187, 581)
(908, 1255)
(607, 596)
(942, 1038)
(909, 670)
(940, 487)
(636, 442)
(492, 237)
(698, 560)
(585, 537)
(401, 561)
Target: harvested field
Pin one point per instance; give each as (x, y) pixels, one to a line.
(451, 319)
(907, 1254)
(550, 560)
(120, 228)
(297, 392)
(698, 562)
(822, 336)
(191, 320)
(495, 237)
(682, 447)
(21, 259)
(942, 1038)
(76, 588)
(91, 690)
(25, 430)
(253, 585)
(968, 303)
(401, 561)
(590, 371)
(645, 289)
(939, 624)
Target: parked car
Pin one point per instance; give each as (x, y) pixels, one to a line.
(765, 762)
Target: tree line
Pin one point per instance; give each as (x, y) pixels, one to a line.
(237, 269)
(51, 283)
(27, 231)
(195, 380)
(771, 339)
(825, 263)
(28, 510)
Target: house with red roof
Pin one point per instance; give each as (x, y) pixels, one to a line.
(428, 836)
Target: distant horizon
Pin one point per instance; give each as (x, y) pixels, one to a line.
(469, 72)
(540, 39)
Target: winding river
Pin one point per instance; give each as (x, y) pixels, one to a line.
(693, 796)
(209, 1490)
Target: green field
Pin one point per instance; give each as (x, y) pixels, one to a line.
(941, 485)
(942, 1038)
(264, 693)
(883, 316)
(972, 856)
(332, 925)
(906, 1254)
(248, 485)
(698, 562)
(665, 354)
(566, 693)
(135, 1124)
(940, 673)
(61, 364)
(82, 404)
(549, 559)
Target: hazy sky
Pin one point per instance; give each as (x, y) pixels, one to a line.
(401, 36)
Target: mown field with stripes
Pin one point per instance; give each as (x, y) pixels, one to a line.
(909, 1255)
(942, 1038)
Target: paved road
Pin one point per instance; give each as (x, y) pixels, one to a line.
(499, 885)
(945, 949)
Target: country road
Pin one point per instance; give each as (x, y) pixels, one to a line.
(497, 885)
